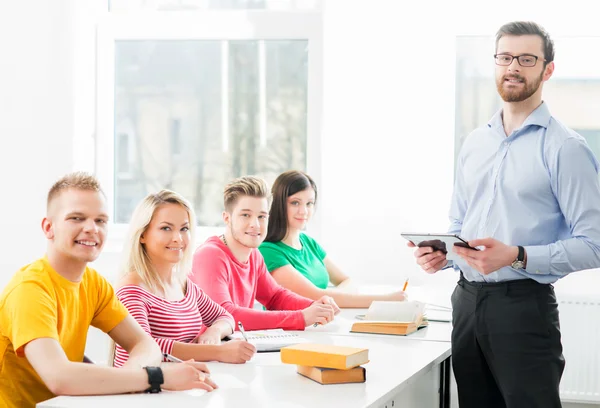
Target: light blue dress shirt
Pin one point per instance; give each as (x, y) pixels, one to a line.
(538, 188)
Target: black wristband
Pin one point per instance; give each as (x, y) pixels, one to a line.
(521, 256)
(155, 379)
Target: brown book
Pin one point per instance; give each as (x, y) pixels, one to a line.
(332, 376)
(324, 355)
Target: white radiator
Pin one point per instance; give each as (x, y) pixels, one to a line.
(580, 328)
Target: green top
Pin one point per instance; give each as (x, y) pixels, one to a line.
(308, 260)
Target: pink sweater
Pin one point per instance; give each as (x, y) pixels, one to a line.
(235, 285)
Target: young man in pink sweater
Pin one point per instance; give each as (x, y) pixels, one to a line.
(232, 272)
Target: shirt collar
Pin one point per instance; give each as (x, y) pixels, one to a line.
(539, 117)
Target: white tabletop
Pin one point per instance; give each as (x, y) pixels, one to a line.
(265, 381)
(342, 324)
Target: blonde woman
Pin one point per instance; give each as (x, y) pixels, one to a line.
(155, 288)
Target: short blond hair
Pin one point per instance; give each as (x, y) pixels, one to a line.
(136, 258)
(78, 180)
(250, 186)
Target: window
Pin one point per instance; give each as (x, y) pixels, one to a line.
(122, 164)
(175, 135)
(207, 96)
(572, 94)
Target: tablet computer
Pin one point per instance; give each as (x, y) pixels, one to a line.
(439, 242)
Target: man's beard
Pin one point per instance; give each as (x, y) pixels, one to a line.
(512, 95)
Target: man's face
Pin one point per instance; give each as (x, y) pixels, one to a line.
(76, 224)
(248, 221)
(516, 83)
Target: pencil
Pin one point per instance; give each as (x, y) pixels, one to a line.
(171, 358)
(405, 285)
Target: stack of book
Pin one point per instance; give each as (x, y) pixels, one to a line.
(326, 363)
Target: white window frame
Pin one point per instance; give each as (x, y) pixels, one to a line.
(201, 25)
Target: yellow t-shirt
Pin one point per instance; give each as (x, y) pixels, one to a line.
(37, 303)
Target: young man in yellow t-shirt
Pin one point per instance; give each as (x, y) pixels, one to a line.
(48, 306)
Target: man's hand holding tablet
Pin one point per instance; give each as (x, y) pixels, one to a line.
(434, 250)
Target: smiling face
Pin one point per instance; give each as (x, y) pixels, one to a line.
(300, 208)
(514, 82)
(247, 221)
(168, 235)
(76, 225)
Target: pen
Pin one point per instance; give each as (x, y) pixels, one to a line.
(405, 285)
(174, 359)
(241, 327)
(171, 358)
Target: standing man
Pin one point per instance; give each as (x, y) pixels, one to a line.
(526, 193)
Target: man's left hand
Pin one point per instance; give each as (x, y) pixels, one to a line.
(494, 256)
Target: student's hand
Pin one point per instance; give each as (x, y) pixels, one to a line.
(210, 336)
(203, 368)
(328, 300)
(198, 366)
(236, 352)
(318, 313)
(494, 256)
(398, 296)
(429, 260)
(184, 376)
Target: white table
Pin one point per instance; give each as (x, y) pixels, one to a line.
(405, 372)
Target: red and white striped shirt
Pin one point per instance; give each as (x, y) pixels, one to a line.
(170, 321)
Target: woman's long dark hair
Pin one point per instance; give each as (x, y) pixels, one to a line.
(286, 184)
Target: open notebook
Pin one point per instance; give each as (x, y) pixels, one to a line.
(269, 340)
(385, 317)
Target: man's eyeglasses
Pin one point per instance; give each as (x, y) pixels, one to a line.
(524, 60)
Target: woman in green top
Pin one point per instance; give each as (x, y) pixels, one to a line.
(295, 260)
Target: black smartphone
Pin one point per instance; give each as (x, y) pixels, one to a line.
(439, 242)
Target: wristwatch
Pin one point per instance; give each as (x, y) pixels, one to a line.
(155, 379)
(519, 263)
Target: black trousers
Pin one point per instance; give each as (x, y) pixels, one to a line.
(506, 349)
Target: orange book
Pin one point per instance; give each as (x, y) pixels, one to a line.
(324, 356)
(332, 376)
(397, 328)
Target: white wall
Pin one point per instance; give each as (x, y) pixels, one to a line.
(388, 135)
(36, 115)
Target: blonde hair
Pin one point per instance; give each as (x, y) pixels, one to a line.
(136, 258)
(250, 186)
(78, 180)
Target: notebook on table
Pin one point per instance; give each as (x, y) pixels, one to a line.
(269, 340)
(399, 318)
